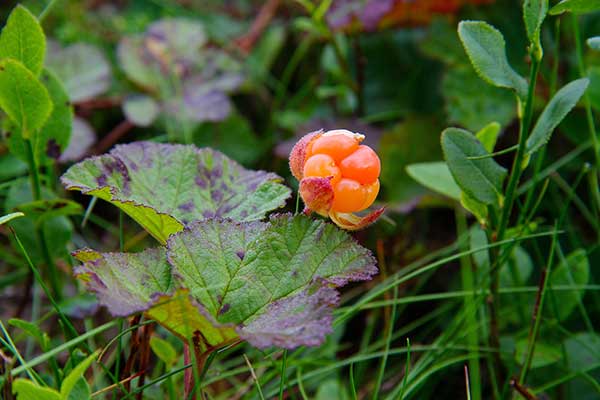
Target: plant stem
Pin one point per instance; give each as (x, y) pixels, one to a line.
(34, 177)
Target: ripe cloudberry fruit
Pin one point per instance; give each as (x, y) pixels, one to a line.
(338, 176)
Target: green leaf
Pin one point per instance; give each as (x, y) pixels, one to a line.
(270, 283)
(435, 176)
(582, 350)
(481, 179)
(53, 138)
(556, 110)
(32, 330)
(75, 375)
(81, 391)
(42, 210)
(534, 12)
(22, 97)
(486, 49)
(141, 110)
(164, 350)
(488, 135)
(9, 217)
(164, 187)
(22, 38)
(518, 268)
(572, 271)
(594, 42)
(474, 206)
(544, 353)
(576, 6)
(27, 390)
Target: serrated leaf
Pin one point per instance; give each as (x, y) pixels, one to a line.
(594, 42)
(27, 390)
(534, 12)
(141, 110)
(435, 176)
(481, 179)
(53, 137)
(556, 110)
(486, 49)
(9, 217)
(75, 375)
(22, 39)
(576, 6)
(488, 135)
(163, 187)
(163, 350)
(22, 97)
(270, 283)
(83, 69)
(572, 271)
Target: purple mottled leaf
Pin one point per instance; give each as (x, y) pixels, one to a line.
(125, 283)
(83, 69)
(300, 320)
(252, 275)
(164, 187)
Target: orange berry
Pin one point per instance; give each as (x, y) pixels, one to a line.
(363, 165)
(322, 165)
(371, 192)
(337, 146)
(348, 196)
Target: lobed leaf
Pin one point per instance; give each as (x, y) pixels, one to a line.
(22, 97)
(22, 39)
(269, 283)
(481, 179)
(556, 110)
(486, 49)
(164, 187)
(576, 6)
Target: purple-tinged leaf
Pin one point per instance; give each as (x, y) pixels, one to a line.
(164, 187)
(83, 138)
(141, 110)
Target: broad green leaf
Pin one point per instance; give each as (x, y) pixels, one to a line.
(481, 179)
(572, 271)
(534, 12)
(83, 69)
(582, 350)
(9, 217)
(486, 49)
(164, 350)
(32, 330)
(270, 283)
(27, 390)
(75, 375)
(435, 176)
(518, 268)
(556, 110)
(81, 391)
(164, 187)
(576, 6)
(23, 98)
(141, 110)
(477, 240)
(488, 135)
(471, 104)
(54, 136)
(22, 39)
(594, 42)
(42, 210)
(474, 206)
(544, 353)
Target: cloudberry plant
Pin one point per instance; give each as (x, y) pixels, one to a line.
(338, 176)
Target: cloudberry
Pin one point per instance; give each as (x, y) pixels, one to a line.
(338, 176)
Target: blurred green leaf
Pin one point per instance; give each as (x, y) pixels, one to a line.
(488, 135)
(9, 217)
(474, 206)
(164, 350)
(27, 390)
(141, 110)
(481, 179)
(486, 49)
(573, 270)
(518, 268)
(544, 353)
(556, 110)
(75, 375)
(534, 12)
(594, 42)
(576, 6)
(22, 39)
(24, 99)
(435, 176)
(42, 210)
(32, 330)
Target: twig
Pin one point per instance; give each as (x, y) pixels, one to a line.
(522, 390)
(113, 136)
(264, 17)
